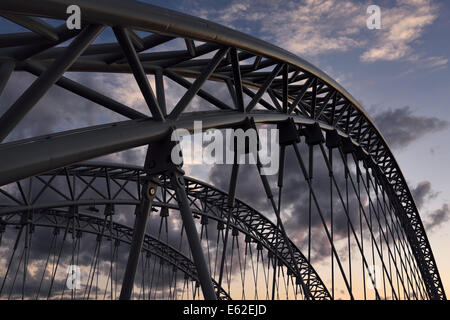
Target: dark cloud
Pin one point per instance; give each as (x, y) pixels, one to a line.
(438, 217)
(401, 126)
(422, 192)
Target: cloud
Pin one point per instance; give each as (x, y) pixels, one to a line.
(401, 26)
(401, 126)
(438, 217)
(307, 28)
(436, 63)
(432, 64)
(313, 27)
(422, 193)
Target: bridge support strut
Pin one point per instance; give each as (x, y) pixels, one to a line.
(140, 224)
(160, 162)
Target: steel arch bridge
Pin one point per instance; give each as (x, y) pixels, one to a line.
(213, 236)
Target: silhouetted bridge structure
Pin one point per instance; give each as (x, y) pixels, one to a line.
(148, 232)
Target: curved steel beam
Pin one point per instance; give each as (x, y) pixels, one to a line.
(245, 219)
(92, 224)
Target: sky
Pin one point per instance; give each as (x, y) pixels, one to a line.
(399, 74)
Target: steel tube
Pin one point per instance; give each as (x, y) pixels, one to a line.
(36, 25)
(88, 93)
(140, 224)
(32, 95)
(29, 157)
(6, 68)
(138, 71)
(193, 239)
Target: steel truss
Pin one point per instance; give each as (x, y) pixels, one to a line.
(205, 201)
(265, 83)
(57, 219)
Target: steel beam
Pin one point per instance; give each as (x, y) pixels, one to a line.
(38, 44)
(201, 93)
(18, 39)
(85, 92)
(195, 87)
(245, 218)
(160, 92)
(143, 16)
(191, 232)
(6, 68)
(264, 88)
(231, 201)
(237, 79)
(29, 157)
(34, 24)
(140, 225)
(121, 232)
(138, 71)
(33, 94)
